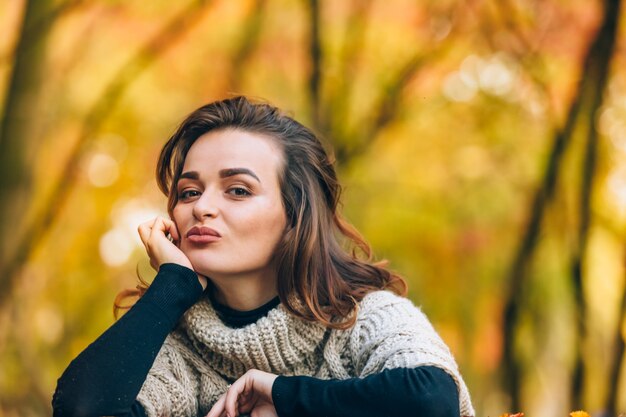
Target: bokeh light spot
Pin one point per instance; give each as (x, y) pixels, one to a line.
(102, 170)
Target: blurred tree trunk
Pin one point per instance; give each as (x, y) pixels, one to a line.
(586, 101)
(19, 134)
(618, 361)
(597, 70)
(525, 252)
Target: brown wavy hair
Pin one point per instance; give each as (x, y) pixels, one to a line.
(325, 267)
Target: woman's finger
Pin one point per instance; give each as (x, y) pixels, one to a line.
(232, 397)
(173, 231)
(144, 231)
(158, 228)
(163, 227)
(218, 408)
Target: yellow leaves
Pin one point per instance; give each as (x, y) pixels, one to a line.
(572, 414)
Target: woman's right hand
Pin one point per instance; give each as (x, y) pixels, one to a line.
(161, 250)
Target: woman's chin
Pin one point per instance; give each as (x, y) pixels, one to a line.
(207, 272)
(202, 265)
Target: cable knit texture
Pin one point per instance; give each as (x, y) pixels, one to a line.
(202, 356)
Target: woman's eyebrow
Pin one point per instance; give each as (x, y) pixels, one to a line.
(229, 172)
(192, 175)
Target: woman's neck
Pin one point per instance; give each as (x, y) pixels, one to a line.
(243, 294)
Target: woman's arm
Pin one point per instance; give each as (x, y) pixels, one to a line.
(403, 392)
(107, 376)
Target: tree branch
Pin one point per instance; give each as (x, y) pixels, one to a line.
(337, 107)
(104, 106)
(527, 55)
(315, 54)
(249, 42)
(391, 100)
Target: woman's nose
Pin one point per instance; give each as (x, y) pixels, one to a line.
(205, 206)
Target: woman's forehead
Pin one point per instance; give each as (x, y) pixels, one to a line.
(234, 149)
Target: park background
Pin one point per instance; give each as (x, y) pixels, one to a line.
(481, 145)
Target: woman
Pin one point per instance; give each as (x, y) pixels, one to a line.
(259, 307)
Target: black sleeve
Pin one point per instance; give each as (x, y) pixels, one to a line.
(403, 392)
(107, 376)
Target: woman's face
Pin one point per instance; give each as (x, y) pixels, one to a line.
(229, 212)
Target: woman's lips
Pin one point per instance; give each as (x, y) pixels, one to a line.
(202, 235)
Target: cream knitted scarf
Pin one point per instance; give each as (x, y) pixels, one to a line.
(202, 356)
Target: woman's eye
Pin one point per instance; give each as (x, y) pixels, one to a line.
(238, 192)
(187, 194)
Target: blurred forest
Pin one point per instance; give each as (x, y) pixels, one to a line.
(481, 143)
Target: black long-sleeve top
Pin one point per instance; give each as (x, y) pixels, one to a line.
(107, 376)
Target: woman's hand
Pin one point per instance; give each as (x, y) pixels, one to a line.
(161, 250)
(250, 394)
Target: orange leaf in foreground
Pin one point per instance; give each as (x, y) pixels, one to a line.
(519, 415)
(579, 414)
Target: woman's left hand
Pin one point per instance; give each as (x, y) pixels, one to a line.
(250, 394)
